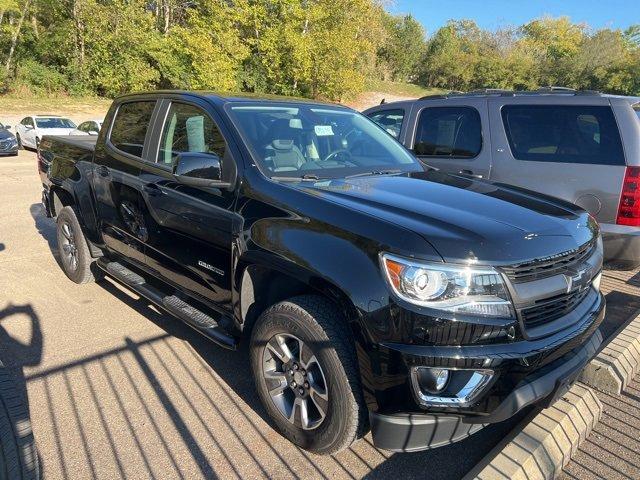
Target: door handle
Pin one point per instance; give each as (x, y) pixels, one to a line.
(470, 173)
(152, 189)
(102, 171)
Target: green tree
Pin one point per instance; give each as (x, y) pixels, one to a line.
(402, 48)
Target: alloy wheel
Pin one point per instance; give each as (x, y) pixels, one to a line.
(295, 381)
(69, 249)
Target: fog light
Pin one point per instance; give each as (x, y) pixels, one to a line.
(433, 380)
(439, 387)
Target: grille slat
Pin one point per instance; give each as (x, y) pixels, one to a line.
(549, 266)
(552, 308)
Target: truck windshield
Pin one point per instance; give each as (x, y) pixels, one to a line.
(294, 140)
(54, 123)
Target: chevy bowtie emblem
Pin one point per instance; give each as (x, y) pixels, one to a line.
(575, 280)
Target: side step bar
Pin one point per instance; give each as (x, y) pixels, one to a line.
(200, 321)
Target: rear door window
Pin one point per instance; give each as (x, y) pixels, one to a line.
(563, 134)
(390, 120)
(130, 126)
(454, 132)
(189, 129)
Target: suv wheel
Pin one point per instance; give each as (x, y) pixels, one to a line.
(73, 247)
(18, 455)
(305, 369)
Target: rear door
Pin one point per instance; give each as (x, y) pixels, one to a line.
(452, 134)
(116, 177)
(191, 230)
(567, 147)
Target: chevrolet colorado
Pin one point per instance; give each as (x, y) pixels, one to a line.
(375, 292)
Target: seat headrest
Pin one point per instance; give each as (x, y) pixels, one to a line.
(282, 144)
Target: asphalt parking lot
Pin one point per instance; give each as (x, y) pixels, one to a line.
(117, 389)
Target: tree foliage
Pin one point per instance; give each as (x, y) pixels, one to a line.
(544, 52)
(316, 48)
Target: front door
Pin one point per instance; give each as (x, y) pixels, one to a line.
(191, 229)
(116, 180)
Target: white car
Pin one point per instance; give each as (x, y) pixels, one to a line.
(32, 128)
(90, 127)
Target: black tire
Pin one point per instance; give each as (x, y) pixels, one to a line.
(68, 231)
(317, 322)
(18, 454)
(19, 140)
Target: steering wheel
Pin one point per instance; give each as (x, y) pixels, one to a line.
(346, 154)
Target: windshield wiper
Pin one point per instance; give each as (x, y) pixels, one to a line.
(308, 177)
(374, 172)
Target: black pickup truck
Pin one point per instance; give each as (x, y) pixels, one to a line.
(375, 292)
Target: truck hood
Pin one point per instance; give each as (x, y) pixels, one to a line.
(465, 219)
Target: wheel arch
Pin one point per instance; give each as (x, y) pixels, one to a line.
(259, 286)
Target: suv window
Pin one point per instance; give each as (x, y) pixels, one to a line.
(27, 122)
(563, 134)
(390, 120)
(189, 129)
(448, 132)
(130, 126)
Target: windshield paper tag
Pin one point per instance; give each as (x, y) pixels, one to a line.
(323, 130)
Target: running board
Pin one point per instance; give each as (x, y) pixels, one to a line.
(177, 307)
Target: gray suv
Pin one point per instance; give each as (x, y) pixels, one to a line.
(580, 146)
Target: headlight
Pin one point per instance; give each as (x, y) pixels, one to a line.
(458, 289)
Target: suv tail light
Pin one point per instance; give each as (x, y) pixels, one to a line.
(629, 208)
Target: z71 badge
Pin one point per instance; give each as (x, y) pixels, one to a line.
(210, 267)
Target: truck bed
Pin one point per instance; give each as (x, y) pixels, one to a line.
(82, 142)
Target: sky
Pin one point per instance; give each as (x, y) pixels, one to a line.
(492, 14)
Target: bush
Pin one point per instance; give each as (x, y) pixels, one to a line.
(39, 79)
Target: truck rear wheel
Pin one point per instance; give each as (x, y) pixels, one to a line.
(73, 248)
(305, 369)
(18, 455)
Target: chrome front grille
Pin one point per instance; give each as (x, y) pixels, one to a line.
(549, 266)
(550, 309)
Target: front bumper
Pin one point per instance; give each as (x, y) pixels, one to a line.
(621, 245)
(527, 372)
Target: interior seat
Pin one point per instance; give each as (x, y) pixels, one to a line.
(282, 150)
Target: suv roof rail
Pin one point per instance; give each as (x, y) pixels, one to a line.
(511, 93)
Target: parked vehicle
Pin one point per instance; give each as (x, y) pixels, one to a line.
(31, 129)
(374, 292)
(90, 127)
(8, 142)
(583, 147)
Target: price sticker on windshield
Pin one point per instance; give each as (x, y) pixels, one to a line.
(323, 130)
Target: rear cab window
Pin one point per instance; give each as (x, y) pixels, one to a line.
(454, 132)
(130, 126)
(389, 120)
(563, 134)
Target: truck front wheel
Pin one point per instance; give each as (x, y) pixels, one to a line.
(305, 369)
(73, 248)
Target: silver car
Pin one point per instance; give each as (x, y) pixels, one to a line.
(580, 146)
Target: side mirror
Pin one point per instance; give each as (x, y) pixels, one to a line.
(199, 170)
(92, 132)
(29, 127)
(8, 127)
